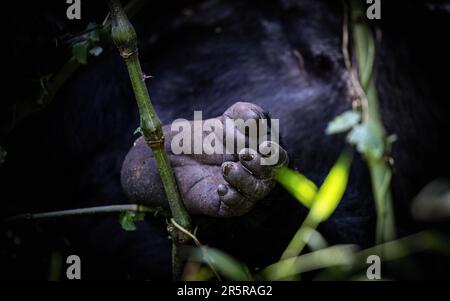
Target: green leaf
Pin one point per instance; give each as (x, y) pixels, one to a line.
(80, 52)
(343, 122)
(368, 139)
(137, 131)
(325, 202)
(332, 189)
(322, 201)
(3, 155)
(299, 186)
(314, 239)
(127, 219)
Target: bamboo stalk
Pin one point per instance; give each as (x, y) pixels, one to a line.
(124, 37)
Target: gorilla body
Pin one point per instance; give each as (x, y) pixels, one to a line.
(282, 56)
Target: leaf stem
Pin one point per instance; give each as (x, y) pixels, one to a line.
(125, 39)
(79, 212)
(380, 171)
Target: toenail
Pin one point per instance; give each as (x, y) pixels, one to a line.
(222, 190)
(248, 157)
(226, 169)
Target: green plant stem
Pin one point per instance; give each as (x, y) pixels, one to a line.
(380, 176)
(208, 259)
(79, 212)
(291, 268)
(301, 238)
(124, 37)
(177, 261)
(379, 169)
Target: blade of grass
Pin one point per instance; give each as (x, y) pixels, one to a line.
(324, 204)
(337, 255)
(299, 186)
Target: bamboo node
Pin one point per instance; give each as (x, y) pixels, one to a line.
(156, 142)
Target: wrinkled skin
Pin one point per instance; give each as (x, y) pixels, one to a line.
(219, 185)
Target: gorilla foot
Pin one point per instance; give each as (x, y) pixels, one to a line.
(215, 184)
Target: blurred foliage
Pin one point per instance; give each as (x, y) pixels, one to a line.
(433, 202)
(324, 203)
(343, 122)
(370, 137)
(338, 262)
(332, 189)
(364, 126)
(302, 188)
